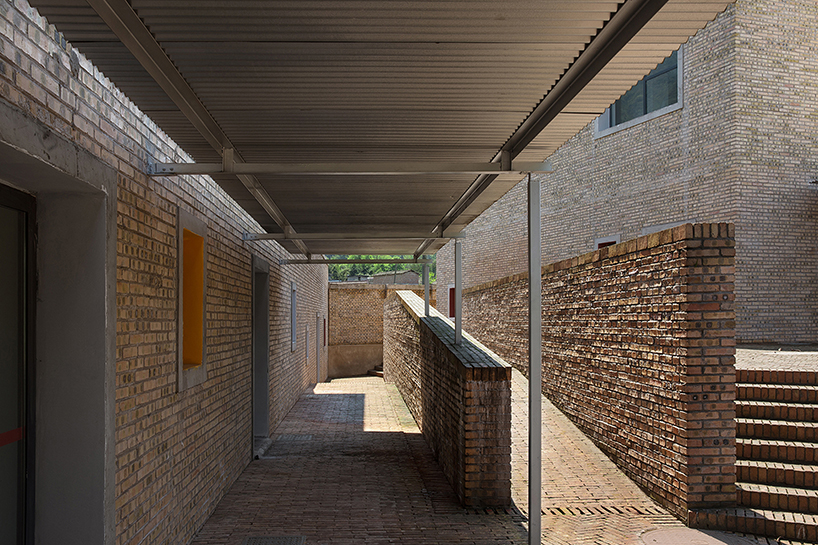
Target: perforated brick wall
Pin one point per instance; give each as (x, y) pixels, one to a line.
(639, 351)
(176, 452)
(459, 395)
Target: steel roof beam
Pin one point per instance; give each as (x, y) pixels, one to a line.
(341, 236)
(351, 261)
(135, 36)
(620, 29)
(393, 168)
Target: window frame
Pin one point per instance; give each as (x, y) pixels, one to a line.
(191, 376)
(601, 131)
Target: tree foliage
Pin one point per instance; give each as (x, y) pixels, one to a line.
(342, 271)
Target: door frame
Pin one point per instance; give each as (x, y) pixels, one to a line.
(23, 202)
(260, 365)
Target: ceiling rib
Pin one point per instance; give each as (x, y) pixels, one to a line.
(131, 31)
(319, 261)
(341, 236)
(386, 168)
(624, 25)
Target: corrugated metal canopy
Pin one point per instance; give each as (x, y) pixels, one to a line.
(362, 80)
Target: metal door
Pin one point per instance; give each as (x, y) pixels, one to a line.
(16, 328)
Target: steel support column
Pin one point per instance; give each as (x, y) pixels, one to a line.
(534, 364)
(458, 292)
(426, 289)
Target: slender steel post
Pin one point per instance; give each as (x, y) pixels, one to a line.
(534, 364)
(426, 289)
(458, 292)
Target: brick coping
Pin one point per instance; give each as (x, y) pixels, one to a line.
(646, 242)
(472, 354)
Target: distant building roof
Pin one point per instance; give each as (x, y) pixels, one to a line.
(396, 277)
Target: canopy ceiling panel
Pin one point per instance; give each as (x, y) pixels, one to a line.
(319, 81)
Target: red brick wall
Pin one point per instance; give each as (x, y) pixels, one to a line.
(176, 452)
(460, 397)
(639, 351)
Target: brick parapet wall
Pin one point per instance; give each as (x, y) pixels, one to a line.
(176, 453)
(639, 351)
(459, 395)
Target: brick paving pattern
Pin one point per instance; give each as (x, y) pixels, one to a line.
(348, 465)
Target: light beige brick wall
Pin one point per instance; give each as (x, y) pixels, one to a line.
(176, 452)
(777, 135)
(740, 150)
(356, 311)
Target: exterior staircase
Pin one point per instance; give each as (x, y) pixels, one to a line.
(777, 458)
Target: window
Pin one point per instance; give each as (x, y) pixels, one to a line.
(192, 272)
(293, 316)
(451, 302)
(656, 94)
(606, 241)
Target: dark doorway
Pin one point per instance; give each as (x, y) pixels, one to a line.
(16, 357)
(261, 348)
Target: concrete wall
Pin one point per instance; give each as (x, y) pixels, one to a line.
(123, 455)
(740, 150)
(459, 395)
(639, 351)
(75, 260)
(356, 326)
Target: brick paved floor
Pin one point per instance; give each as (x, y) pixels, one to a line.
(348, 465)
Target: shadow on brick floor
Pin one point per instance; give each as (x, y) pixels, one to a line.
(348, 465)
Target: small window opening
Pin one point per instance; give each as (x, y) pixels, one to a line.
(192, 275)
(193, 300)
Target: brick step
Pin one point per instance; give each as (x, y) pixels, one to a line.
(791, 393)
(777, 473)
(780, 430)
(777, 498)
(775, 410)
(768, 450)
(780, 524)
(766, 376)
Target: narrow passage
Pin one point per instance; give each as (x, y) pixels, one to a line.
(348, 465)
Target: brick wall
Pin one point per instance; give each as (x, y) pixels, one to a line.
(777, 134)
(356, 325)
(460, 397)
(176, 452)
(740, 150)
(356, 311)
(639, 351)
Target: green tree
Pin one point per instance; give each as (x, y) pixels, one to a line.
(341, 271)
